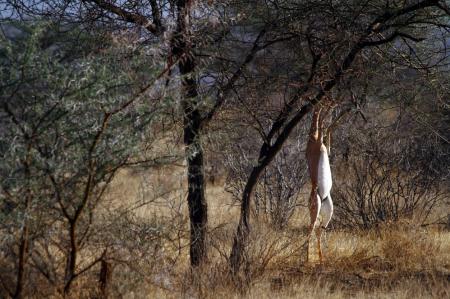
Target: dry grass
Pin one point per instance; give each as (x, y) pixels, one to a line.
(150, 253)
(394, 261)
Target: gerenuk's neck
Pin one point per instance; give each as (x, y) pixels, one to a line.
(314, 131)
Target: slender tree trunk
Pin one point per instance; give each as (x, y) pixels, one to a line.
(24, 237)
(156, 15)
(105, 278)
(266, 155)
(23, 250)
(71, 259)
(196, 185)
(243, 230)
(192, 121)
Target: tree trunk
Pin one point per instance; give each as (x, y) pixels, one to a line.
(71, 259)
(196, 185)
(266, 155)
(243, 230)
(24, 237)
(156, 15)
(23, 251)
(192, 122)
(105, 278)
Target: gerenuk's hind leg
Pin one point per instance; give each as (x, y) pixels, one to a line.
(318, 235)
(314, 209)
(326, 212)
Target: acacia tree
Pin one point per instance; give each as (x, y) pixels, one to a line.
(398, 158)
(150, 19)
(68, 125)
(186, 33)
(338, 37)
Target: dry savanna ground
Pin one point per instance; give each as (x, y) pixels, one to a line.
(402, 260)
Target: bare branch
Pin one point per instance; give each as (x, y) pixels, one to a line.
(130, 17)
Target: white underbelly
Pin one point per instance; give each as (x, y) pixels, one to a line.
(324, 175)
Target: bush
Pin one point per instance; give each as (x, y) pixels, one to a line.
(380, 186)
(67, 127)
(276, 195)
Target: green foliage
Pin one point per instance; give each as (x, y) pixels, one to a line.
(67, 124)
(57, 108)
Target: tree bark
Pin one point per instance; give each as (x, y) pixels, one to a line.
(156, 15)
(192, 122)
(105, 278)
(243, 230)
(24, 237)
(23, 251)
(196, 186)
(71, 259)
(266, 155)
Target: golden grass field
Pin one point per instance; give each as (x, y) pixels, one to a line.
(401, 260)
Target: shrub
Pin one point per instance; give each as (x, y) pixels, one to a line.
(68, 124)
(378, 186)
